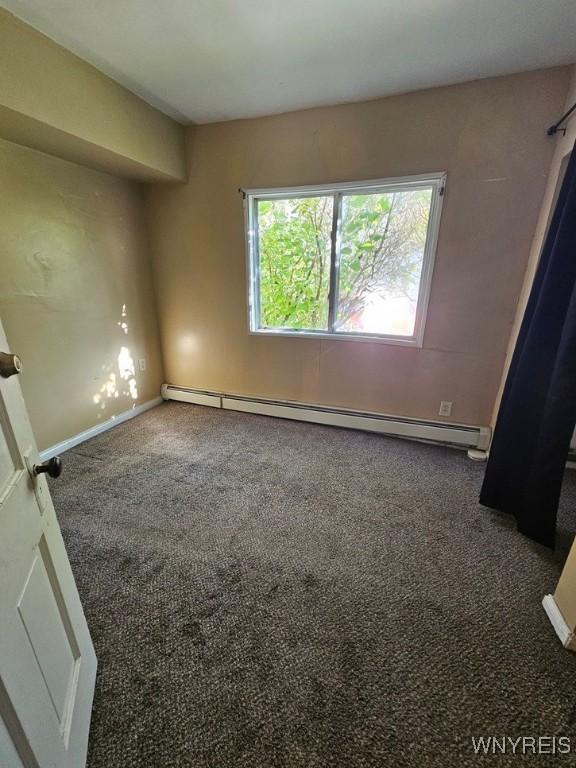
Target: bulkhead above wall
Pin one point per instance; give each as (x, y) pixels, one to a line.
(52, 100)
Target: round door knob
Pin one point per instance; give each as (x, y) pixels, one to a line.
(9, 365)
(52, 467)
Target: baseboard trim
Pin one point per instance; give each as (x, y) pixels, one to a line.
(196, 397)
(566, 636)
(97, 429)
(398, 426)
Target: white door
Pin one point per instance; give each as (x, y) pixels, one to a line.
(47, 662)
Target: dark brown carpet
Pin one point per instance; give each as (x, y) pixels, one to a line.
(265, 593)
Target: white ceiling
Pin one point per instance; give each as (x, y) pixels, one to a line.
(210, 60)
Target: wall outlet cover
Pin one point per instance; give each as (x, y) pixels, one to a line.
(445, 408)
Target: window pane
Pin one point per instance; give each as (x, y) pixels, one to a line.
(381, 256)
(294, 250)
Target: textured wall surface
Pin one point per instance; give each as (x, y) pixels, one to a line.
(489, 135)
(76, 297)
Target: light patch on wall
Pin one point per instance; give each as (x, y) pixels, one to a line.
(122, 323)
(120, 374)
(127, 370)
(108, 390)
(187, 343)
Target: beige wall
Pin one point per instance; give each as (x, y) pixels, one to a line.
(565, 594)
(73, 253)
(488, 135)
(562, 147)
(54, 101)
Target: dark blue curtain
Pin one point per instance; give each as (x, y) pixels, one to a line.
(538, 410)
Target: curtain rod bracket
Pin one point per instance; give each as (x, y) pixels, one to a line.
(554, 129)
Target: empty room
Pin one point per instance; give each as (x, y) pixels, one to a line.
(287, 383)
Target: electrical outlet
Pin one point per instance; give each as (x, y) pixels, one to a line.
(445, 408)
(142, 364)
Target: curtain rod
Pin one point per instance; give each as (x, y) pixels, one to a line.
(556, 127)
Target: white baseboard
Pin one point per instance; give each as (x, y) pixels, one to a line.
(97, 429)
(398, 426)
(184, 395)
(566, 636)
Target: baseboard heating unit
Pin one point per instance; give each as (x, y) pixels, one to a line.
(460, 435)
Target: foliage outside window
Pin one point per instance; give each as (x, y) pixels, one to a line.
(349, 261)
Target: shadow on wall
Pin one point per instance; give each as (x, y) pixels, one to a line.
(120, 376)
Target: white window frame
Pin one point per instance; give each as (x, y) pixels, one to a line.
(251, 198)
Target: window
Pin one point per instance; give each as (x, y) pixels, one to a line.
(344, 261)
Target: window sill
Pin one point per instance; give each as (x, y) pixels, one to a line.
(398, 341)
